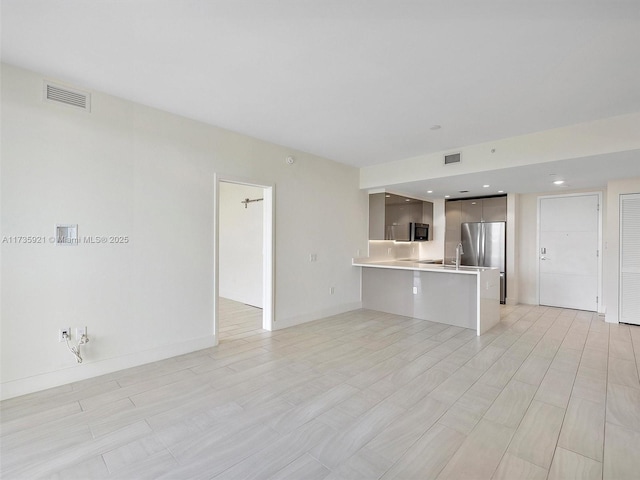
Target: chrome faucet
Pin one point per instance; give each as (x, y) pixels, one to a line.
(459, 253)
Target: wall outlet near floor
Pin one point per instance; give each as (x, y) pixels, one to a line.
(62, 332)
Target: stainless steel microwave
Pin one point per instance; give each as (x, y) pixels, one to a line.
(419, 232)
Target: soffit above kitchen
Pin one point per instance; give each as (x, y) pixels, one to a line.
(556, 177)
(359, 82)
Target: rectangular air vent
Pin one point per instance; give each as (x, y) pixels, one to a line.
(68, 96)
(452, 158)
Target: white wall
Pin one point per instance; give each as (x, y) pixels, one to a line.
(240, 264)
(513, 252)
(612, 243)
(126, 169)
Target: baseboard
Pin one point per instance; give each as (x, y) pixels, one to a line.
(87, 370)
(311, 316)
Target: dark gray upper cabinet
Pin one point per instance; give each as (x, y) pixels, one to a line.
(387, 210)
(471, 210)
(489, 209)
(494, 209)
(376, 216)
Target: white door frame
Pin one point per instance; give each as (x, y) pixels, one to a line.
(268, 248)
(600, 209)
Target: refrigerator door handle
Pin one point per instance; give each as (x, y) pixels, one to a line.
(481, 246)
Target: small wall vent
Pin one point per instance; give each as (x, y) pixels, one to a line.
(68, 96)
(452, 158)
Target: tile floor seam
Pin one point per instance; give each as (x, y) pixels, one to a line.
(510, 378)
(525, 313)
(548, 469)
(555, 449)
(606, 398)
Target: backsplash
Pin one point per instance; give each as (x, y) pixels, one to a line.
(390, 250)
(380, 250)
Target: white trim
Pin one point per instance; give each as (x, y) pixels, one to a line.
(600, 256)
(90, 369)
(268, 246)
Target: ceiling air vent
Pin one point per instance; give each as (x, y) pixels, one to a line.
(452, 158)
(68, 96)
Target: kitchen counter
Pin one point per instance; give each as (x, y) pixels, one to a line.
(420, 265)
(467, 297)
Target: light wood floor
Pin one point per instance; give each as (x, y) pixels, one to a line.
(237, 320)
(548, 393)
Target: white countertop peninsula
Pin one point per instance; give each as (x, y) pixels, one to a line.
(466, 297)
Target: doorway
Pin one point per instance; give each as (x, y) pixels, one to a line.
(243, 257)
(569, 238)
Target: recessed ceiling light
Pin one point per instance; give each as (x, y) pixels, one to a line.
(435, 127)
(486, 186)
(447, 196)
(500, 191)
(473, 203)
(388, 196)
(558, 182)
(407, 199)
(429, 191)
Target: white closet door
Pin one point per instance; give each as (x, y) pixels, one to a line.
(630, 258)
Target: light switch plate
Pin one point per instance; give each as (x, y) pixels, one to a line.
(67, 234)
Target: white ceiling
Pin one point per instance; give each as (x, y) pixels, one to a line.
(357, 81)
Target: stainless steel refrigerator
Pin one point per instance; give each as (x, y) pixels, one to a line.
(484, 245)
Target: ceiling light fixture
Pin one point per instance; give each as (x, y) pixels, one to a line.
(429, 191)
(407, 200)
(447, 196)
(500, 191)
(486, 186)
(558, 182)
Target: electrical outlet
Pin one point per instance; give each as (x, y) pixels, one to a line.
(415, 290)
(313, 257)
(62, 332)
(332, 290)
(80, 331)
